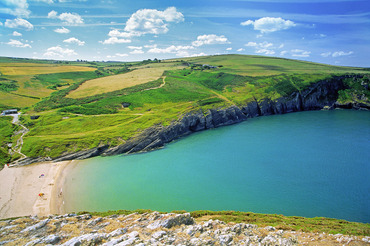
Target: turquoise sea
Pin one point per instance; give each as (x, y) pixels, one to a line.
(304, 164)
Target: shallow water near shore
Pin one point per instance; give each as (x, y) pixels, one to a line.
(304, 164)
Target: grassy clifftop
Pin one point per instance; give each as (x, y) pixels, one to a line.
(88, 104)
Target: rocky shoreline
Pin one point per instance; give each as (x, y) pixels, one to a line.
(154, 229)
(323, 94)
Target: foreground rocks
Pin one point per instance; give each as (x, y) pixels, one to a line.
(154, 229)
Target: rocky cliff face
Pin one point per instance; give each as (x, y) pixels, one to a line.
(154, 229)
(317, 96)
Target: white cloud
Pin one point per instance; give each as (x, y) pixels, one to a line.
(170, 49)
(136, 52)
(74, 40)
(66, 18)
(265, 44)
(17, 34)
(199, 54)
(115, 40)
(1, 23)
(118, 34)
(150, 46)
(19, 23)
(336, 54)
(240, 50)
(17, 43)
(269, 24)
(53, 14)
(152, 21)
(178, 50)
(265, 48)
(326, 54)
(300, 53)
(229, 48)
(342, 53)
(59, 52)
(62, 30)
(210, 39)
(251, 44)
(121, 54)
(284, 52)
(16, 7)
(135, 47)
(265, 51)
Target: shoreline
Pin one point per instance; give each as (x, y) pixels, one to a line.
(20, 189)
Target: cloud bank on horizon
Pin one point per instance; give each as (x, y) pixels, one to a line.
(328, 31)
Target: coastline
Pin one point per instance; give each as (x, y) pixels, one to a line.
(20, 188)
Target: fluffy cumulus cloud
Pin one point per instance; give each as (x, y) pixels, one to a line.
(17, 34)
(67, 18)
(19, 23)
(59, 52)
(118, 37)
(121, 54)
(17, 8)
(210, 39)
(115, 40)
(74, 41)
(269, 24)
(135, 52)
(119, 34)
(300, 53)
(152, 21)
(336, 54)
(178, 50)
(144, 21)
(62, 30)
(264, 48)
(18, 44)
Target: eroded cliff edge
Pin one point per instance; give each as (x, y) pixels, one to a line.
(323, 94)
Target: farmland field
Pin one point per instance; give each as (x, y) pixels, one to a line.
(34, 68)
(81, 109)
(118, 82)
(265, 66)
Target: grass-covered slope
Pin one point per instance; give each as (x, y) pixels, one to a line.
(72, 118)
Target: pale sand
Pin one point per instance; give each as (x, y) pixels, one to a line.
(20, 188)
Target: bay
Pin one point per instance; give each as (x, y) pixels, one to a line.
(303, 164)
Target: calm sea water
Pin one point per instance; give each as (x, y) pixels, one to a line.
(304, 164)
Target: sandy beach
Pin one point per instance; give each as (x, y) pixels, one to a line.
(20, 188)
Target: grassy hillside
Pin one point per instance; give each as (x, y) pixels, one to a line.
(86, 104)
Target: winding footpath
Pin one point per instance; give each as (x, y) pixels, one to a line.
(18, 147)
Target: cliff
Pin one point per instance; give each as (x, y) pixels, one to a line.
(323, 94)
(154, 229)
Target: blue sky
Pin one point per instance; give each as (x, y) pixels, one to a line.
(325, 31)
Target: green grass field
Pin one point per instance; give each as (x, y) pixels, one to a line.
(73, 117)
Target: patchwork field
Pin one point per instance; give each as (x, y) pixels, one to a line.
(34, 68)
(138, 76)
(82, 107)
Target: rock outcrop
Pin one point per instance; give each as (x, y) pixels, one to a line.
(317, 96)
(153, 229)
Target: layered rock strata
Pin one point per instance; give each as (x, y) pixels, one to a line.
(323, 94)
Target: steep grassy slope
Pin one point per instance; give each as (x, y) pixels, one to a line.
(70, 123)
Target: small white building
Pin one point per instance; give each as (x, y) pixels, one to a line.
(9, 111)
